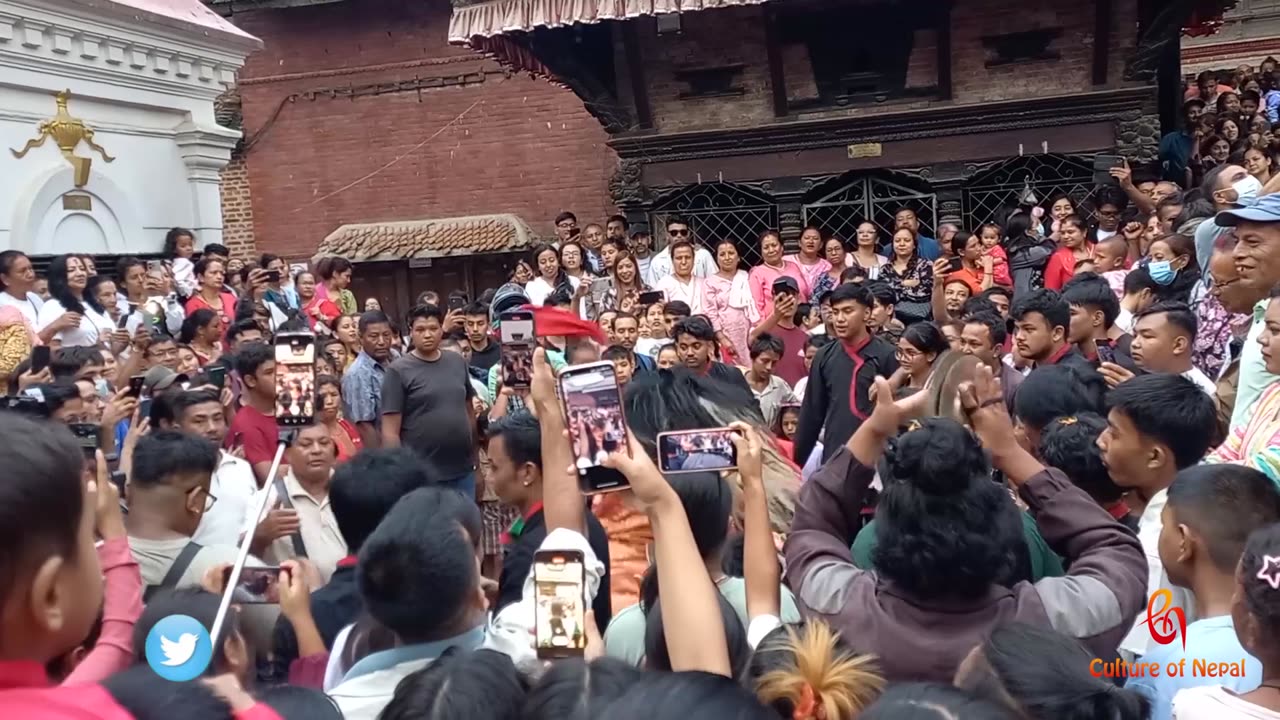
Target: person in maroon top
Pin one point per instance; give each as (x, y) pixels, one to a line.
(781, 323)
(1041, 322)
(255, 424)
(695, 341)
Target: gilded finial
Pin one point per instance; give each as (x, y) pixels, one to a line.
(67, 132)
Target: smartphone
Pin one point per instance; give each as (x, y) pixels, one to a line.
(26, 405)
(295, 379)
(40, 356)
(593, 413)
(124, 320)
(217, 375)
(1106, 353)
(135, 385)
(560, 609)
(456, 302)
(954, 264)
(696, 450)
(256, 586)
(144, 408)
(517, 333)
(86, 436)
(651, 297)
(1102, 165)
(154, 266)
(273, 276)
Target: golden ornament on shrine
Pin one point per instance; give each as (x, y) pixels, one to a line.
(68, 132)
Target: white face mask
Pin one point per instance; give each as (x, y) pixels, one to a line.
(1247, 189)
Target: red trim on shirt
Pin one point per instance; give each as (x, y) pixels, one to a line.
(1057, 356)
(853, 350)
(1118, 509)
(348, 561)
(506, 538)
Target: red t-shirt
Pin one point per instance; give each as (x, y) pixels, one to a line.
(258, 432)
(227, 310)
(790, 366)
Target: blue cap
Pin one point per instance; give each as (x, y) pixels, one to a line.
(1265, 210)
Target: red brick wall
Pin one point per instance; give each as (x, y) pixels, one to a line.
(736, 35)
(493, 143)
(237, 209)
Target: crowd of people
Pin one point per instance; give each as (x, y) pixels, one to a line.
(1029, 469)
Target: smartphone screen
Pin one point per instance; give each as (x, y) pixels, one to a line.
(40, 356)
(295, 379)
(257, 585)
(597, 427)
(559, 579)
(217, 375)
(696, 450)
(516, 331)
(135, 385)
(651, 297)
(1106, 353)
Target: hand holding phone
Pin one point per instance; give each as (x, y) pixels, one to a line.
(40, 357)
(560, 611)
(516, 332)
(295, 379)
(697, 450)
(256, 586)
(597, 427)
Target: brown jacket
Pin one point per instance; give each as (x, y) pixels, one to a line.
(925, 638)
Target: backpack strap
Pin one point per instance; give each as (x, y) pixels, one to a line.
(176, 570)
(299, 547)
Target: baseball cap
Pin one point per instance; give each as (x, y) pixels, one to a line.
(786, 284)
(160, 378)
(1265, 210)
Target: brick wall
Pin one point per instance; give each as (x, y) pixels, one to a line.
(736, 35)
(237, 209)
(480, 142)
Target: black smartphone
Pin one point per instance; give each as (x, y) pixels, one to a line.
(516, 333)
(86, 435)
(217, 375)
(124, 320)
(40, 356)
(135, 385)
(26, 405)
(1102, 166)
(273, 276)
(593, 413)
(696, 450)
(256, 586)
(955, 264)
(144, 408)
(560, 610)
(456, 302)
(1106, 353)
(295, 379)
(651, 297)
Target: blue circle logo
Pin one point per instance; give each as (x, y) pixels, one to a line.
(178, 648)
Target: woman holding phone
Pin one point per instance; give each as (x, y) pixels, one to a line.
(79, 325)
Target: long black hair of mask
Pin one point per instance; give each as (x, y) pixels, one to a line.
(943, 527)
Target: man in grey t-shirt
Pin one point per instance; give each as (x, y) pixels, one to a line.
(426, 403)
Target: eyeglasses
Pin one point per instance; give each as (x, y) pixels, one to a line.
(907, 355)
(209, 498)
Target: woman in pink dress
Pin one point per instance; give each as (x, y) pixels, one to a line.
(762, 277)
(726, 299)
(810, 259)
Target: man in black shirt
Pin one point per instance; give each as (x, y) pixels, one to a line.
(515, 459)
(695, 341)
(485, 353)
(836, 399)
(1041, 320)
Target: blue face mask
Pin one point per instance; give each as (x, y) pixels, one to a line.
(1162, 272)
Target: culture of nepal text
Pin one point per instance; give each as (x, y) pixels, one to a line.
(1199, 668)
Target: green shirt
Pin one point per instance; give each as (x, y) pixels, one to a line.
(1044, 563)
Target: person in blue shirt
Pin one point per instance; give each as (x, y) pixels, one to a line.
(926, 247)
(1210, 512)
(1175, 147)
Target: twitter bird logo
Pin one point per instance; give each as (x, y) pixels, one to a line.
(178, 648)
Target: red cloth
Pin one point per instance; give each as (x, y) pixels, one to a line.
(25, 693)
(1062, 265)
(555, 322)
(790, 366)
(320, 311)
(121, 606)
(309, 671)
(227, 311)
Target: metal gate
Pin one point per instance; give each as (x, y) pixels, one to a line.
(870, 198)
(991, 194)
(719, 211)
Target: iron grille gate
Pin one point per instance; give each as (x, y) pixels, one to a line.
(870, 199)
(993, 193)
(719, 211)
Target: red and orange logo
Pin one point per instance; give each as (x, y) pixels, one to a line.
(1164, 621)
